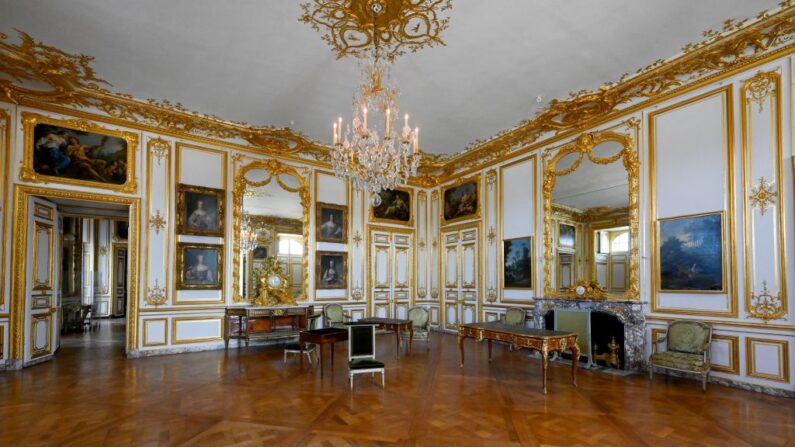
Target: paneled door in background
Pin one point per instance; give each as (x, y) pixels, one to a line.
(460, 275)
(391, 263)
(119, 279)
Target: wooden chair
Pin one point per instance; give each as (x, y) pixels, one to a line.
(421, 323)
(310, 349)
(514, 316)
(335, 316)
(687, 345)
(361, 352)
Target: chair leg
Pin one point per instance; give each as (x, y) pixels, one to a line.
(284, 360)
(651, 371)
(704, 382)
(382, 379)
(350, 376)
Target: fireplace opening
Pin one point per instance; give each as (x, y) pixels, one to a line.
(601, 335)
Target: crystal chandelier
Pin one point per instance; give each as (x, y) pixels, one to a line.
(248, 234)
(379, 156)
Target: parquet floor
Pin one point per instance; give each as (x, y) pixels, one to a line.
(91, 395)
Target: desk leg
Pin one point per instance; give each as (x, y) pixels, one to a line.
(320, 347)
(332, 354)
(397, 341)
(544, 366)
(575, 359)
(489, 351)
(411, 336)
(228, 323)
(461, 348)
(301, 354)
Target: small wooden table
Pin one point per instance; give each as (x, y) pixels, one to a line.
(392, 324)
(320, 337)
(265, 323)
(541, 340)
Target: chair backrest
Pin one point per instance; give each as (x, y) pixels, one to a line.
(332, 313)
(311, 322)
(419, 317)
(688, 336)
(515, 316)
(361, 341)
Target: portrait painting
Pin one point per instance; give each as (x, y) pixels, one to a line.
(199, 266)
(78, 153)
(517, 265)
(567, 235)
(691, 253)
(460, 201)
(331, 270)
(260, 252)
(331, 222)
(395, 206)
(200, 210)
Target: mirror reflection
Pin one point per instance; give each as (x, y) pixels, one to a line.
(271, 238)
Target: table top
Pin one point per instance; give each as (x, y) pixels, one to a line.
(496, 326)
(325, 331)
(376, 320)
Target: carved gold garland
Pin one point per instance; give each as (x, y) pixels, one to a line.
(73, 83)
(275, 168)
(583, 146)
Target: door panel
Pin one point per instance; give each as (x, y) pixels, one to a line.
(42, 304)
(461, 272)
(391, 272)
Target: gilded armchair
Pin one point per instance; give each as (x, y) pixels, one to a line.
(335, 316)
(687, 349)
(421, 322)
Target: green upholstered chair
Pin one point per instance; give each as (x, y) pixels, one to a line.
(310, 349)
(421, 323)
(686, 349)
(514, 316)
(335, 316)
(361, 352)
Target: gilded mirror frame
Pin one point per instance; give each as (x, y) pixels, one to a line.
(275, 168)
(583, 146)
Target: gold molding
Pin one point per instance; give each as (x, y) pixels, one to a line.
(146, 322)
(783, 359)
(584, 144)
(178, 341)
(28, 174)
(43, 283)
(47, 350)
(734, 354)
(774, 327)
(5, 171)
(159, 150)
(479, 202)
(730, 274)
(275, 168)
(755, 90)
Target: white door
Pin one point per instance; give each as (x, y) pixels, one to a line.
(460, 269)
(42, 306)
(391, 272)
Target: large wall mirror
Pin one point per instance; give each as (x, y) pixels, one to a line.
(591, 219)
(271, 230)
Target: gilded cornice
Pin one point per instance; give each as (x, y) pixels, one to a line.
(72, 82)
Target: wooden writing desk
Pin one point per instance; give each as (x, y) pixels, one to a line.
(392, 324)
(320, 337)
(541, 340)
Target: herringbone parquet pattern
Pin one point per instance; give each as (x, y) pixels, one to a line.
(91, 395)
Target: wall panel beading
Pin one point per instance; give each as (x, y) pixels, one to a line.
(159, 222)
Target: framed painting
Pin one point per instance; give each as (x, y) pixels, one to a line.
(77, 152)
(517, 264)
(395, 207)
(200, 210)
(199, 266)
(331, 223)
(567, 235)
(690, 254)
(331, 270)
(461, 200)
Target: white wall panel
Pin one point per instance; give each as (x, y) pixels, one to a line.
(196, 329)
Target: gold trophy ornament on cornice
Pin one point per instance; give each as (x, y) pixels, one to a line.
(400, 25)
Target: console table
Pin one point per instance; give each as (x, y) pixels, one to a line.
(265, 323)
(540, 340)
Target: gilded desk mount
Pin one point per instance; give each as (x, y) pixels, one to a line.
(274, 286)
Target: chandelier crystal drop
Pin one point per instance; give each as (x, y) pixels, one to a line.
(371, 151)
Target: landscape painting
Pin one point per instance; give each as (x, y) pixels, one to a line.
(79, 155)
(395, 206)
(691, 253)
(461, 201)
(517, 265)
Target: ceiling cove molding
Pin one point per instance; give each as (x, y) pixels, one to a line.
(38, 74)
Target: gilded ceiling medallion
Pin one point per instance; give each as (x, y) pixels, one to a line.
(400, 25)
(763, 195)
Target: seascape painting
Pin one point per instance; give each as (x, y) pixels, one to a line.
(461, 201)
(395, 206)
(691, 253)
(79, 155)
(517, 263)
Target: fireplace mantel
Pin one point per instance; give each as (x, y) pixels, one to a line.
(630, 313)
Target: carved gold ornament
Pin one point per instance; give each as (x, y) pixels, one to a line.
(766, 306)
(357, 238)
(157, 222)
(491, 295)
(347, 25)
(491, 236)
(156, 296)
(588, 290)
(274, 286)
(160, 148)
(763, 195)
(760, 87)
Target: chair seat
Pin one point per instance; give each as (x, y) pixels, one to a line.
(309, 347)
(419, 334)
(679, 360)
(364, 364)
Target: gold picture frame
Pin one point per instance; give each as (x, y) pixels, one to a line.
(381, 219)
(320, 280)
(475, 179)
(321, 231)
(184, 215)
(28, 173)
(183, 283)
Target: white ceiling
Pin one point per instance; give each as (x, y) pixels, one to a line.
(253, 61)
